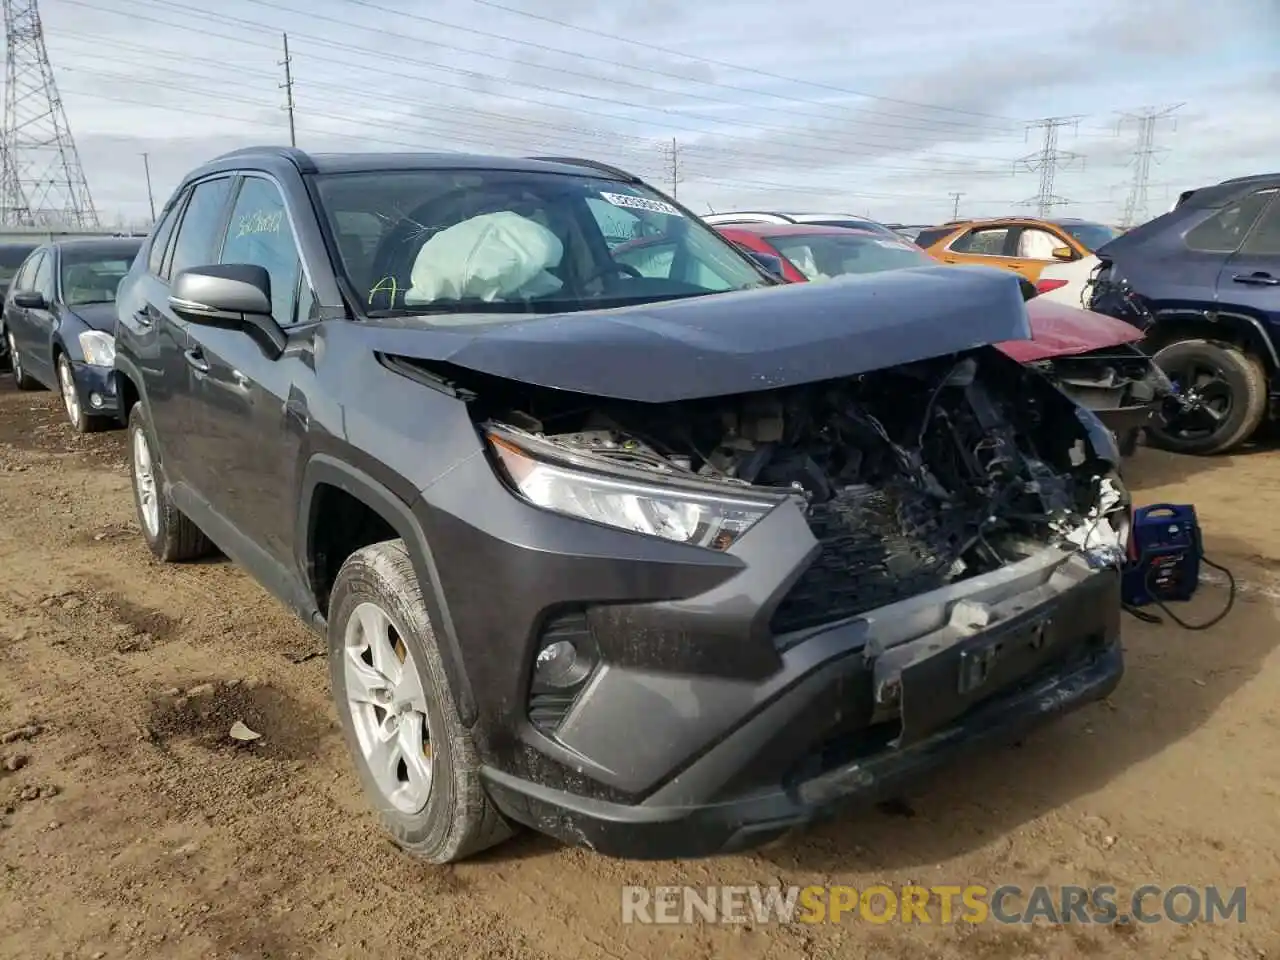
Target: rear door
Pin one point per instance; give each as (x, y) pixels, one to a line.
(158, 337)
(1250, 278)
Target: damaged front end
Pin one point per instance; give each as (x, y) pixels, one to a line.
(1120, 384)
(910, 478)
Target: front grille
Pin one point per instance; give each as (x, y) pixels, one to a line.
(878, 547)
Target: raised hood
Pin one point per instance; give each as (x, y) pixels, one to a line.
(1060, 330)
(734, 342)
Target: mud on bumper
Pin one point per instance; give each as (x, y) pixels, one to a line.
(864, 721)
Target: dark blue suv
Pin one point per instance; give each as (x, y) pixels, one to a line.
(1203, 281)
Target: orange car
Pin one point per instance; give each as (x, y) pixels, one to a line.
(1025, 245)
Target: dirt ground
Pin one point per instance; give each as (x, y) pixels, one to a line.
(131, 827)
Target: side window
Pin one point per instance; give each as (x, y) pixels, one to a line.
(201, 228)
(27, 272)
(1265, 239)
(1223, 232)
(1038, 244)
(984, 241)
(259, 233)
(160, 235)
(43, 280)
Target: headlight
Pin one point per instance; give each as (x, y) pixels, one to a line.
(99, 349)
(702, 518)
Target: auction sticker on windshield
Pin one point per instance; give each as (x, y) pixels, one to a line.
(640, 203)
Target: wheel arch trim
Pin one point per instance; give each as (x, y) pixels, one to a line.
(325, 469)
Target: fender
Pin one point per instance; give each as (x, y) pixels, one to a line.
(323, 468)
(1211, 316)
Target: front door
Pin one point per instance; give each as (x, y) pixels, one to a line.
(254, 413)
(34, 330)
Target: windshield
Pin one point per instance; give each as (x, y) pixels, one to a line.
(499, 241)
(91, 276)
(1091, 235)
(821, 256)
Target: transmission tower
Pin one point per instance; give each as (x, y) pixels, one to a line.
(1146, 121)
(1048, 161)
(41, 180)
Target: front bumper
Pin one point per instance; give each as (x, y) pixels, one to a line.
(97, 389)
(702, 727)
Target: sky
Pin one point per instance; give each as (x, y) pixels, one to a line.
(872, 108)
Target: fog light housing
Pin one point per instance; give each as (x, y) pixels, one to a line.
(95, 400)
(562, 668)
(559, 666)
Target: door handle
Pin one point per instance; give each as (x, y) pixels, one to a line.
(143, 318)
(1257, 279)
(195, 359)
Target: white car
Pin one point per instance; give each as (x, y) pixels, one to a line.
(814, 219)
(1066, 281)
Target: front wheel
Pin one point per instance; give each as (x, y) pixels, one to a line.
(415, 760)
(81, 422)
(1223, 392)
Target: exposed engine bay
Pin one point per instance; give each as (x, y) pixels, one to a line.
(911, 477)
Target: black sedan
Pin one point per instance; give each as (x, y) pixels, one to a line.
(59, 324)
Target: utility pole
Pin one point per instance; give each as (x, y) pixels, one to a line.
(955, 206)
(1146, 120)
(1048, 161)
(673, 166)
(287, 87)
(151, 198)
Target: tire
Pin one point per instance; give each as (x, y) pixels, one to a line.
(169, 533)
(455, 819)
(20, 377)
(80, 421)
(1243, 376)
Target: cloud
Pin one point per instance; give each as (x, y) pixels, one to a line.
(183, 82)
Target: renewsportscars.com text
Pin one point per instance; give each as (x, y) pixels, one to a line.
(939, 904)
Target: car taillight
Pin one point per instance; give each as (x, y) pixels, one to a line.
(1044, 286)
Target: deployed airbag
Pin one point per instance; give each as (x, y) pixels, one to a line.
(495, 256)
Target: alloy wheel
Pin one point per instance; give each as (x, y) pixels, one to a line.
(144, 480)
(388, 708)
(70, 396)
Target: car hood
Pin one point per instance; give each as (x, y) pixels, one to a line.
(1060, 330)
(729, 343)
(96, 316)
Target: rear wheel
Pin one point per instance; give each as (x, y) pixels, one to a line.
(20, 377)
(169, 533)
(416, 761)
(1224, 391)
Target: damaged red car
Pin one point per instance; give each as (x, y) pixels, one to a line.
(1092, 358)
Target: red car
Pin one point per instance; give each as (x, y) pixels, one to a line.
(1092, 357)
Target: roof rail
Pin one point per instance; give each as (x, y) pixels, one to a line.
(592, 164)
(299, 158)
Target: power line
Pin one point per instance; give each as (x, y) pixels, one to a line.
(831, 144)
(1048, 161)
(41, 179)
(1146, 120)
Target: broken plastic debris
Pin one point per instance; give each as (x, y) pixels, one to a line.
(242, 733)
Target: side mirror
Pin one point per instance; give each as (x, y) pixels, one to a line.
(231, 295)
(1063, 253)
(30, 300)
(1029, 290)
(770, 263)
